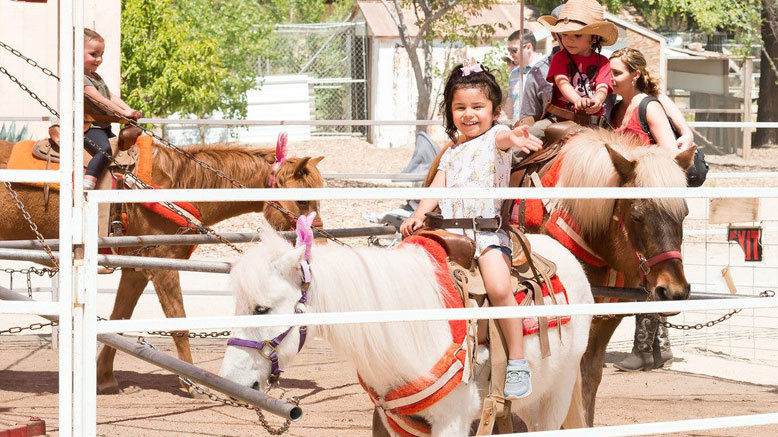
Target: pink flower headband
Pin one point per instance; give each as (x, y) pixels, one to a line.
(471, 66)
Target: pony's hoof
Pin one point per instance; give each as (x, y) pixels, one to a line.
(110, 388)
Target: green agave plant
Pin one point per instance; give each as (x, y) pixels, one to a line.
(10, 134)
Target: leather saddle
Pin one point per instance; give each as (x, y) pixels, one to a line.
(122, 146)
(538, 162)
(461, 251)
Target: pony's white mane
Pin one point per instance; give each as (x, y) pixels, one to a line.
(586, 163)
(365, 279)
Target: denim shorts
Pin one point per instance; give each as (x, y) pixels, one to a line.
(506, 250)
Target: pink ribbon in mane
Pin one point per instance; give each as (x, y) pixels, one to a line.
(305, 238)
(280, 158)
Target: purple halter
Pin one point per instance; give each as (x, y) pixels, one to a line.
(267, 349)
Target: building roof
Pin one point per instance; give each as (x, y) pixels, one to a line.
(380, 23)
(618, 21)
(685, 53)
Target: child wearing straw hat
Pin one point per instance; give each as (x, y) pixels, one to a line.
(580, 75)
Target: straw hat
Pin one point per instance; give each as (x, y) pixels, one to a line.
(584, 17)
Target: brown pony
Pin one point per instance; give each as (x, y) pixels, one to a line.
(170, 170)
(617, 235)
(621, 233)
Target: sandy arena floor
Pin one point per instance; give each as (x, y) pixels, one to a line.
(332, 401)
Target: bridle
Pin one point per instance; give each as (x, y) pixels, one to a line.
(645, 264)
(268, 348)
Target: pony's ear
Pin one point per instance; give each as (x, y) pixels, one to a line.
(685, 159)
(289, 262)
(315, 161)
(299, 170)
(624, 167)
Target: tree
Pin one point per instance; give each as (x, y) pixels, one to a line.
(435, 19)
(163, 63)
(191, 56)
(768, 79)
(201, 56)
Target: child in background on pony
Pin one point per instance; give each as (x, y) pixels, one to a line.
(96, 89)
(481, 157)
(581, 76)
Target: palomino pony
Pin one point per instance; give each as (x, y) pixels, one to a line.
(252, 167)
(625, 242)
(267, 280)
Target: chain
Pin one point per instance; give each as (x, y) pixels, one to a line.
(40, 272)
(216, 398)
(707, 324)
(28, 91)
(30, 223)
(31, 62)
(214, 334)
(682, 327)
(28, 272)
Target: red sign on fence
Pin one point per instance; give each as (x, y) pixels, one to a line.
(749, 239)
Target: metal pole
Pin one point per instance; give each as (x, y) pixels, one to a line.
(68, 398)
(640, 294)
(137, 262)
(187, 240)
(245, 394)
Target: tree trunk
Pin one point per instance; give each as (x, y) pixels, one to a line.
(424, 87)
(768, 104)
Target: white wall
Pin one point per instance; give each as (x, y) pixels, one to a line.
(393, 94)
(32, 28)
(284, 97)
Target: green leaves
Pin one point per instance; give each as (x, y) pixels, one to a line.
(190, 56)
(197, 57)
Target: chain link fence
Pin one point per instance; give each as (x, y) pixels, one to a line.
(334, 55)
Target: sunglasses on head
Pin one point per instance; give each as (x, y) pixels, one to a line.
(513, 50)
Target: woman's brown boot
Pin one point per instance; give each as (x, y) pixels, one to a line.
(663, 356)
(642, 357)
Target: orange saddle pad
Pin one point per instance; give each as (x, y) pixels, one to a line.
(22, 159)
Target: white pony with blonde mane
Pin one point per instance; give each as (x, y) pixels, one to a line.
(387, 355)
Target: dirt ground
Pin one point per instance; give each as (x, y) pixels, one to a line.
(333, 403)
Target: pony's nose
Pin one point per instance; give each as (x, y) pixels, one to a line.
(666, 293)
(318, 223)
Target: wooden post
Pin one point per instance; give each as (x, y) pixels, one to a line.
(748, 79)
